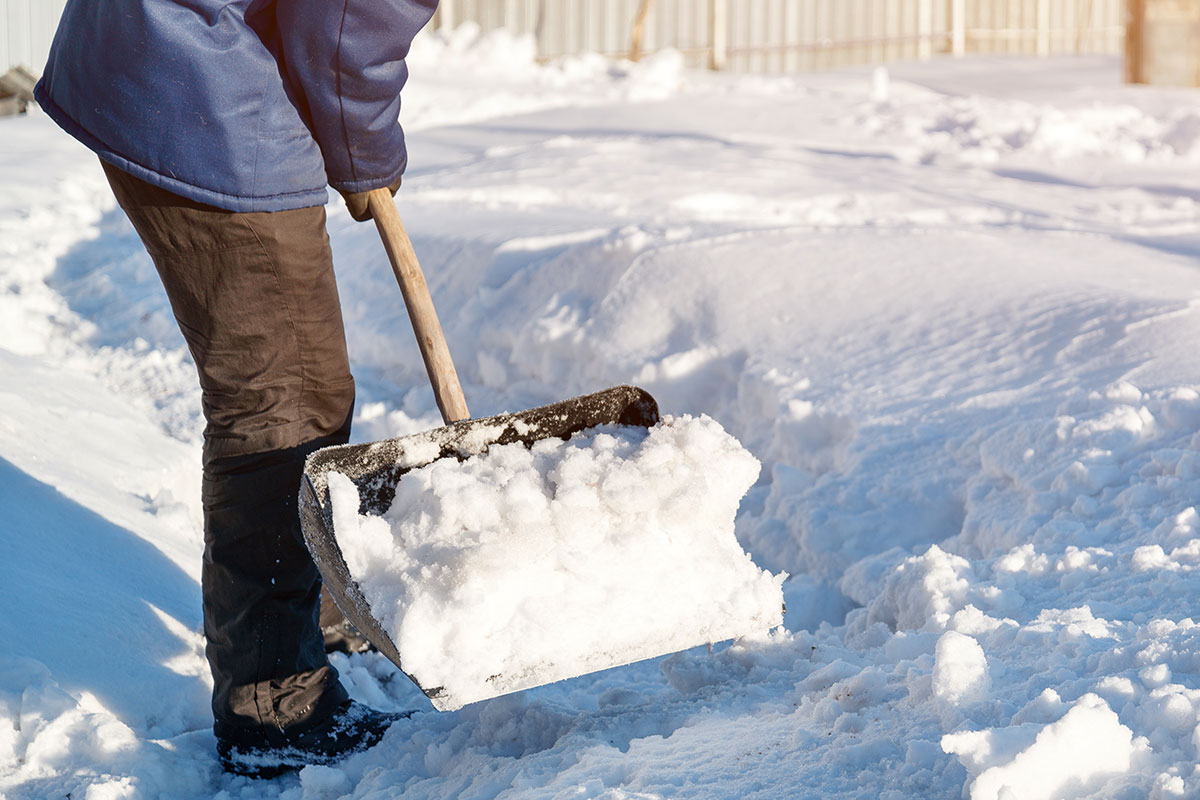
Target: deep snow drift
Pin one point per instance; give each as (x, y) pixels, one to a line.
(952, 313)
(526, 565)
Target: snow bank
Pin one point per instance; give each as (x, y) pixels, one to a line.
(984, 131)
(494, 74)
(524, 566)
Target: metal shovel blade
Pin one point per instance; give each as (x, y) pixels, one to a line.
(377, 467)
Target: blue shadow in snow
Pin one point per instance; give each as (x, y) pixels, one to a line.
(76, 593)
(110, 281)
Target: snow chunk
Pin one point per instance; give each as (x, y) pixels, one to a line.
(321, 783)
(529, 565)
(1088, 742)
(1181, 408)
(973, 622)
(1155, 676)
(1150, 557)
(960, 670)
(920, 592)
(1023, 558)
(1167, 786)
(1044, 709)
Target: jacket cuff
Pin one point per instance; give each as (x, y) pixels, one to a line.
(367, 184)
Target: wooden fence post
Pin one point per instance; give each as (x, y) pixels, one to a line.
(639, 30)
(539, 26)
(718, 33)
(1135, 19)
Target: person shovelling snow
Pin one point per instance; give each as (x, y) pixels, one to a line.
(218, 132)
(219, 125)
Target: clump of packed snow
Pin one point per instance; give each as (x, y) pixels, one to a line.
(527, 565)
(1040, 762)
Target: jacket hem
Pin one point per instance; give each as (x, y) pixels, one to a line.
(240, 203)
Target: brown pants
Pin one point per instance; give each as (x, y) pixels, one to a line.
(255, 298)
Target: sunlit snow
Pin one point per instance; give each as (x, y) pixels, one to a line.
(951, 309)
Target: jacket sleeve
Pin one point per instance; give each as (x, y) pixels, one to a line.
(345, 61)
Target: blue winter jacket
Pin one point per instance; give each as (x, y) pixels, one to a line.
(248, 105)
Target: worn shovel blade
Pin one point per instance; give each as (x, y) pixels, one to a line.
(376, 468)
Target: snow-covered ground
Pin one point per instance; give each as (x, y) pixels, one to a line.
(952, 308)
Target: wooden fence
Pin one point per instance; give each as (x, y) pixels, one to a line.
(750, 35)
(788, 35)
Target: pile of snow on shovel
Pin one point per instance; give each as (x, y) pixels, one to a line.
(529, 565)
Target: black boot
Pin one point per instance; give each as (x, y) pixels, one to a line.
(270, 752)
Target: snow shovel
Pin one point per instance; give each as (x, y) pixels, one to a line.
(377, 467)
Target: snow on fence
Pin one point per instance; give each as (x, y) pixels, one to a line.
(752, 35)
(787, 35)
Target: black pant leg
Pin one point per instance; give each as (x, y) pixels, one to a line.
(256, 300)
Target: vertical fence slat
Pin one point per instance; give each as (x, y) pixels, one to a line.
(958, 27)
(5, 50)
(925, 29)
(1043, 27)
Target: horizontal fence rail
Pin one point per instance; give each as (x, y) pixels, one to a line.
(747, 35)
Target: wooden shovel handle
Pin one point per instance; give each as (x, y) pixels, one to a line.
(432, 341)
